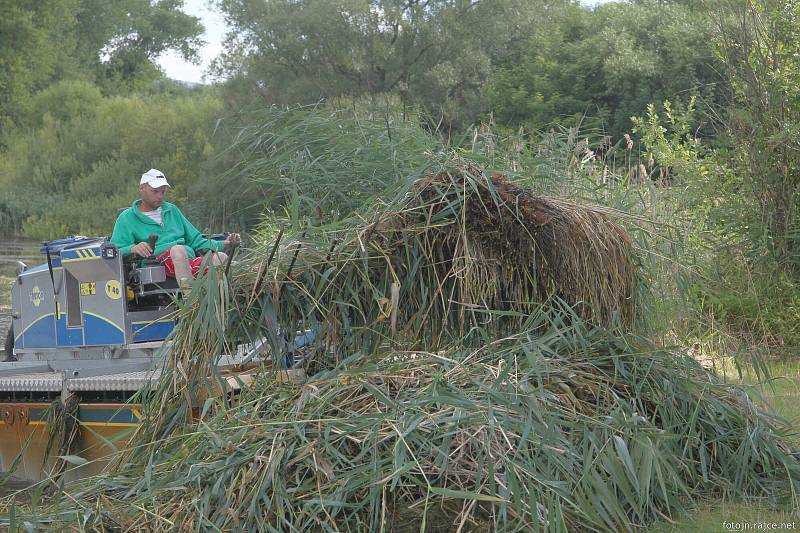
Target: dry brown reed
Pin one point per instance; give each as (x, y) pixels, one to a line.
(518, 248)
(455, 252)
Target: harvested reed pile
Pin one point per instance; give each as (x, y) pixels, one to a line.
(526, 248)
(555, 428)
(456, 254)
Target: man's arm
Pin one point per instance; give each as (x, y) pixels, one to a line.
(195, 239)
(122, 236)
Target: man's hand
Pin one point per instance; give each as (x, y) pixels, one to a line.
(142, 249)
(232, 240)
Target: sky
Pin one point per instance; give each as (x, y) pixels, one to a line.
(178, 69)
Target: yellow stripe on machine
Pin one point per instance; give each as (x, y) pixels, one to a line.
(84, 254)
(80, 259)
(29, 326)
(105, 319)
(153, 321)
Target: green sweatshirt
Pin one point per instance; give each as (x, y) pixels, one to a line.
(133, 227)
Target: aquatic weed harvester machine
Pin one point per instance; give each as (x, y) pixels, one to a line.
(89, 329)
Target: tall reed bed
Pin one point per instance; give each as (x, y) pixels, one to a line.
(473, 364)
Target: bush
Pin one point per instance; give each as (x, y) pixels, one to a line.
(78, 164)
(758, 302)
(64, 101)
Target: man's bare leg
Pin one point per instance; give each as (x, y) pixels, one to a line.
(180, 260)
(219, 258)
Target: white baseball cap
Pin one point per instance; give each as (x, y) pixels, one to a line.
(154, 178)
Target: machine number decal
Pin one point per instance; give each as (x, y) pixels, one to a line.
(87, 289)
(36, 296)
(113, 289)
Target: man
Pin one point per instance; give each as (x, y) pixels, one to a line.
(178, 240)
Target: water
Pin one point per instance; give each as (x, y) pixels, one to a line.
(12, 250)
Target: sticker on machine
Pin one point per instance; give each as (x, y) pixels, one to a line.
(87, 289)
(113, 289)
(36, 296)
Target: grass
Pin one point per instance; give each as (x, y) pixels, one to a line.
(782, 394)
(712, 518)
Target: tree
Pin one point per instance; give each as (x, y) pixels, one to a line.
(609, 63)
(32, 39)
(123, 39)
(70, 171)
(433, 52)
(111, 43)
(759, 45)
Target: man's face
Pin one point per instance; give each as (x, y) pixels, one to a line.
(151, 197)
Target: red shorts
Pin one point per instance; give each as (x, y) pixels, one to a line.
(165, 259)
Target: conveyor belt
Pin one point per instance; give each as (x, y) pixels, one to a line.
(86, 375)
(54, 382)
(128, 381)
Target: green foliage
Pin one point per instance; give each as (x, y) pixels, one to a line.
(738, 285)
(130, 35)
(32, 39)
(320, 164)
(72, 173)
(759, 44)
(529, 62)
(63, 101)
(435, 53)
(111, 44)
(670, 148)
(758, 302)
(608, 63)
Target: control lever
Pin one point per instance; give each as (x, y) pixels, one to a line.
(134, 263)
(151, 240)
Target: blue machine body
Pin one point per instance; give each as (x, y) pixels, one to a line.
(80, 298)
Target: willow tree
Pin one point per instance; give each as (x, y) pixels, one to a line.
(759, 43)
(434, 52)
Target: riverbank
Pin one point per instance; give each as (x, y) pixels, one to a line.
(12, 250)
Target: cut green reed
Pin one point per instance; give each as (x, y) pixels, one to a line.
(559, 426)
